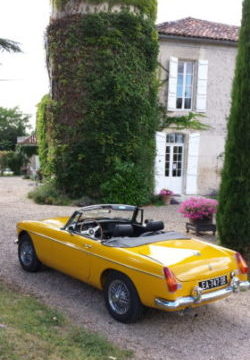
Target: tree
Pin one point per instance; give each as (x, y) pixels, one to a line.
(9, 45)
(234, 197)
(12, 124)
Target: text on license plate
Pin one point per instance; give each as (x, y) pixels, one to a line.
(212, 283)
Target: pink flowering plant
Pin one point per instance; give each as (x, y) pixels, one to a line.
(166, 192)
(198, 208)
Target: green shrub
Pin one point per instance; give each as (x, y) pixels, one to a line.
(47, 193)
(13, 160)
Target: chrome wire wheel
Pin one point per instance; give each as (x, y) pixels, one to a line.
(119, 297)
(26, 253)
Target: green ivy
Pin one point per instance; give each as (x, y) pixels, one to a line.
(106, 113)
(148, 7)
(44, 133)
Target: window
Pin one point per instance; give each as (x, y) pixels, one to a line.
(174, 155)
(186, 91)
(185, 85)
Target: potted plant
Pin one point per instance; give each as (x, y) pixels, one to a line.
(166, 195)
(199, 209)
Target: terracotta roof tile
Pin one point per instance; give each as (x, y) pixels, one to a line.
(27, 140)
(196, 28)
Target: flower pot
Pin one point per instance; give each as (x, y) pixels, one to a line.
(166, 199)
(206, 220)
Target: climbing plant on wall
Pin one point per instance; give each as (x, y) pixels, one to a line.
(104, 90)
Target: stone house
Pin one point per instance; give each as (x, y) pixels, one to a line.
(33, 163)
(197, 63)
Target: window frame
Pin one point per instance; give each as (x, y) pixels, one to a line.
(185, 62)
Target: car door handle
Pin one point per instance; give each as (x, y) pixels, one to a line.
(87, 246)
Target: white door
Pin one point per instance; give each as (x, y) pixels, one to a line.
(169, 162)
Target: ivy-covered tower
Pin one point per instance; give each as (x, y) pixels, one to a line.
(102, 58)
(234, 198)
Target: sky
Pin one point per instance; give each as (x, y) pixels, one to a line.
(23, 77)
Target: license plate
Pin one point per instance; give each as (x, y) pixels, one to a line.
(213, 283)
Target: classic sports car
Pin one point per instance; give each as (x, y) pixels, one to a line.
(134, 261)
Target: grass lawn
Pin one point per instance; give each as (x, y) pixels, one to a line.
(31, 330)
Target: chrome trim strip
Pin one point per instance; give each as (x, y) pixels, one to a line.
(96, 255)
(189, 300)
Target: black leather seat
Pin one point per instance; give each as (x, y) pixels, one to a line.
(123, 230)
(151, 226)
(154, 226)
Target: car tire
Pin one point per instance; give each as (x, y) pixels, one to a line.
(27, 254)
(121, 298)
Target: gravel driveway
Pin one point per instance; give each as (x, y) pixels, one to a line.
(220, 331)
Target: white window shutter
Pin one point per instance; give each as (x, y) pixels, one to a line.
(172, 83)
(160, 161)
(192, 165)
(201, 98)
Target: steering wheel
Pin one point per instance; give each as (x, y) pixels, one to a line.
(92, 228)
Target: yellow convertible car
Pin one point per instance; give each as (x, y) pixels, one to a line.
(133, 260)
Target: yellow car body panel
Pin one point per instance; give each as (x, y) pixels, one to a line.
(88, 260)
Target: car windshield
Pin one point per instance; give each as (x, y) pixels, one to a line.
(126, 213)
(117, 212)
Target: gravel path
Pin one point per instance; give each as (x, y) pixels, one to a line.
(220, 331)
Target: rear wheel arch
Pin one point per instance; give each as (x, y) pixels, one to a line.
(106, 273)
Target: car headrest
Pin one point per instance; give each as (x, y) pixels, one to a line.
(154, 226)
(123, 230)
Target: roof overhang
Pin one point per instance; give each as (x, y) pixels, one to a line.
(198, 40)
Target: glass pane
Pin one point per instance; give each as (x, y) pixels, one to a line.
(170, 139)
(179, 91)
(180, 138)
(189, 80)
(189, 68)
(187, 103)
(180, 67)
(188, 92)
(167, 169)
(180, 80)
(179, 103)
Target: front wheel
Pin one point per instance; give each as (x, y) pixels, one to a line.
(121, 298)
(27, 254)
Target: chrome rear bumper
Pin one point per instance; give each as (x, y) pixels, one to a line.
(213, 295)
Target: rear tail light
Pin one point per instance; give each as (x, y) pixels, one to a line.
(170, 279)
(241, 263)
